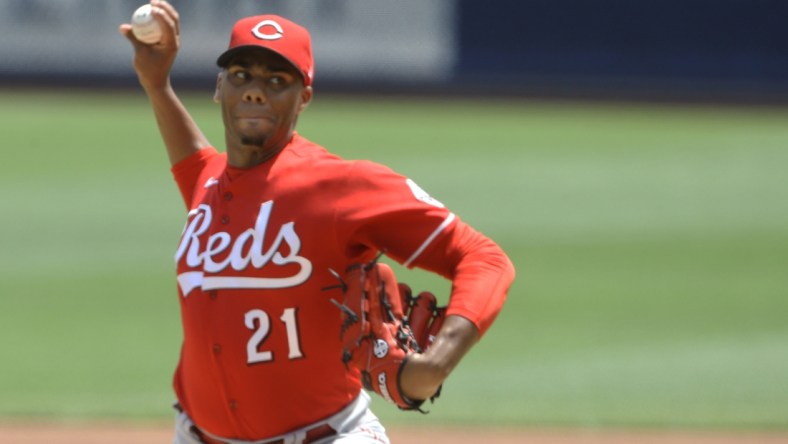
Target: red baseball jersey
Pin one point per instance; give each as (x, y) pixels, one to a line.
(261, 351)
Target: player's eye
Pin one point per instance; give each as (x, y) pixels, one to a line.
(237, 73)
(279, 81)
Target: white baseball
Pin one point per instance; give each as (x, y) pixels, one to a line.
(144, 26)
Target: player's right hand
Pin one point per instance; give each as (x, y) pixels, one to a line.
(153, 62)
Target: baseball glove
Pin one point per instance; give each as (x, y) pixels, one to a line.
(382, 325)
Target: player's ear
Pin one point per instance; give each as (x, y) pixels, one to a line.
(217, 93)
(306, 97)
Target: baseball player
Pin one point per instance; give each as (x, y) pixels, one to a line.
(268, 220)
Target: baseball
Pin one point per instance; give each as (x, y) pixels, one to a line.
(144, 26)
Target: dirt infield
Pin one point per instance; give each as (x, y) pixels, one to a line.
(33, 433)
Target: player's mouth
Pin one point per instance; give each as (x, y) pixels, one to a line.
(254, 118)
(254, 124)
(253, 114)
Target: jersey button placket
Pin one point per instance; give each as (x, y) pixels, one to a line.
(228, 196)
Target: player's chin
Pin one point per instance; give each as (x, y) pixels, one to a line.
(254, 137)
(254, 141)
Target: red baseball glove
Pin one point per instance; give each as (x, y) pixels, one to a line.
(382, 324)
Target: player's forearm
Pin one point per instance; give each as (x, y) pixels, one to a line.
(481, 274)
(480, 271)
(424, 373)
(181, 135)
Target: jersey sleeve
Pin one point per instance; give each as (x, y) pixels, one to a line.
(187, 172)
(383, 211)
(380, 210)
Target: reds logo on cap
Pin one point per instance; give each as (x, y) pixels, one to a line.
(258, 30)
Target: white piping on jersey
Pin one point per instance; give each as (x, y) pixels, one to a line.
(210, 182)
(429, 240)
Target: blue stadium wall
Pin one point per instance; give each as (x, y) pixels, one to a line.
(667, 48)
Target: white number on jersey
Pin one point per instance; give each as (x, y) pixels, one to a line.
(260, 323)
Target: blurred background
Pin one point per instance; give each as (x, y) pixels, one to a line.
(629, 156)
(733, 49)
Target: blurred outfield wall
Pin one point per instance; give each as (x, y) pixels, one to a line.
(651, 49)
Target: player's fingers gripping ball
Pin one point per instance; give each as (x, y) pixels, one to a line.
(382, 324)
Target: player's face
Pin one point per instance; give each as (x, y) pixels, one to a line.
(261, 96)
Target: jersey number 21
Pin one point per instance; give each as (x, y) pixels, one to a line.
(260, 323)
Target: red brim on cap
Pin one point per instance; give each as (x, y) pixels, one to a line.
(224, 60)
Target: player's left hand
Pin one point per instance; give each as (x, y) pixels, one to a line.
(384, 327)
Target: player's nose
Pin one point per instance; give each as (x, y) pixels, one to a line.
(254, 95)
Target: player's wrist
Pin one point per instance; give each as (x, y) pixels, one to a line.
(423, 374)
(420, 377)
(156, 87)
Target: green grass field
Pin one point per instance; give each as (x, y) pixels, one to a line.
(651, 244)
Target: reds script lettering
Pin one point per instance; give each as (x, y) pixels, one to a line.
(247, 249)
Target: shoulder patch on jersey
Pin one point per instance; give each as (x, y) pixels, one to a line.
(422, 195)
